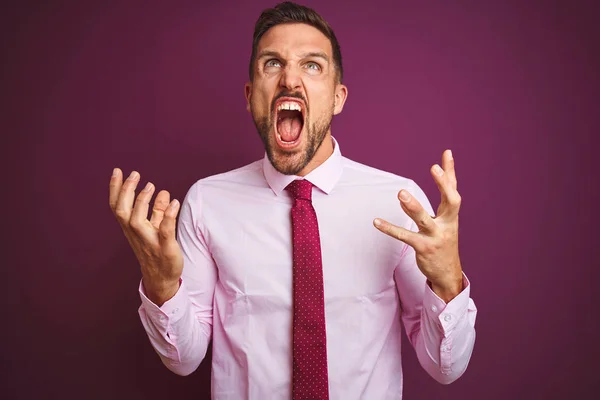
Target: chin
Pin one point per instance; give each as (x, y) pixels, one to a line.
(289, 140)
(288, 162)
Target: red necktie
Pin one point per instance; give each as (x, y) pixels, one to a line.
(309, 379)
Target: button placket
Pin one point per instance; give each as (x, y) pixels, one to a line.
(446, 356)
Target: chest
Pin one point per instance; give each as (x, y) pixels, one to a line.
(252, 247)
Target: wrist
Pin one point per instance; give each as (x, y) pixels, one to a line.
(160, 292)
(449, 289)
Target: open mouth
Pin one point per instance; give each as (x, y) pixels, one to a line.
(289, 121)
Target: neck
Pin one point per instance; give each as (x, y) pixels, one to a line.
(324, 151)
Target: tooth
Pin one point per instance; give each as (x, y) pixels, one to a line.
(290, 105)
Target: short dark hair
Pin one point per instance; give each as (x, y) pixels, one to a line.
(286, 13)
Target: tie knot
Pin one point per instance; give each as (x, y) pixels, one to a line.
(300, 189)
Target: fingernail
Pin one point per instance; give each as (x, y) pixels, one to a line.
(377, 222)
(115, 172)
(174, 204)
(148, 186)
(450, 153)
(438, 170)
(133, 175)
(404, 196)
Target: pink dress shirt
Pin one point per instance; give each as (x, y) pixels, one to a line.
(236, 288)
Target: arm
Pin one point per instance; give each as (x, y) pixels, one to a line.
(443, 335)
(436, 309)
(176, 309)
(181, 328)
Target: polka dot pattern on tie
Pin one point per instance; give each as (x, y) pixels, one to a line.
(309, 376)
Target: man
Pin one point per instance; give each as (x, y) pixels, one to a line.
(282, 262)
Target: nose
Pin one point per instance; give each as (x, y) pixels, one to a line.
(290, 78)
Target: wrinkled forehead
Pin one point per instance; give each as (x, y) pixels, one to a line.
(293, 39)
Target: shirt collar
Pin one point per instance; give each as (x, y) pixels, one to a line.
(325, 176)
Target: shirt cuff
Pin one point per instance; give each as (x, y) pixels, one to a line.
(448, 314)
(170, 312)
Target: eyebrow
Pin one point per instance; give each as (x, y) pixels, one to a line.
(317, 54)
(271, 53)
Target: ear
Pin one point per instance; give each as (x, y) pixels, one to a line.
(341, 93)
(248, 94)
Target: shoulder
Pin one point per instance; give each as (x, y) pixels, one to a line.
(359, 173)
(361, 178)
(250, 171)
(250, 174)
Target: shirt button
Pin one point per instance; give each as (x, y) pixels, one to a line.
(444, 348)
(175, 311)
(447, 317)
(434, 308)
(162, 318)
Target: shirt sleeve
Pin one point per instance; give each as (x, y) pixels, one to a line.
(443, 335)
(180, 330)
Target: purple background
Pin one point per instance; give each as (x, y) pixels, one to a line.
(511, 88)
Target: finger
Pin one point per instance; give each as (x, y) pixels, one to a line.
(448, 166)
(450, 203)
(409, 237)
(160, 205)
(126, 195)
(416, 212)
(444, 184)
(116, 181)
(167, 226)
(139, 215)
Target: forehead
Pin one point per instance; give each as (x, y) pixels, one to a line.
(290, 39)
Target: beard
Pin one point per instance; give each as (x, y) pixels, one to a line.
(291, 163)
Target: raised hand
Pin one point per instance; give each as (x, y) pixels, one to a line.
(436, 242)
(153, 241)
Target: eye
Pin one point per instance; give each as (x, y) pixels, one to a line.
(313, 66)
(272, 63)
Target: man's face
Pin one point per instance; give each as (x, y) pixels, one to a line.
(294, 95)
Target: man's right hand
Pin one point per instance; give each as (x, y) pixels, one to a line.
(153, 241)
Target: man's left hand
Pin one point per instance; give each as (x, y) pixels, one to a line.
(436, 242)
